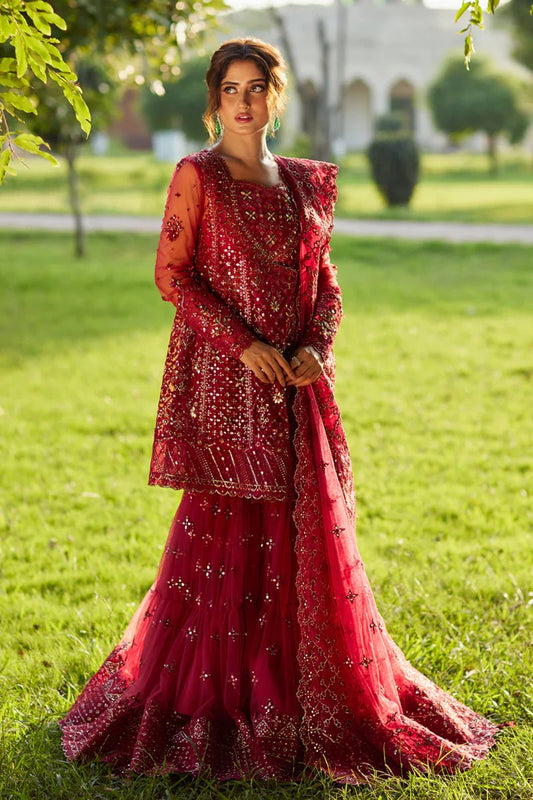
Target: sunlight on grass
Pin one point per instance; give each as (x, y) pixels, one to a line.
(454, 187)
(435, 383)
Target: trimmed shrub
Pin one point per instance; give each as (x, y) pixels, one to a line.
(394, 160)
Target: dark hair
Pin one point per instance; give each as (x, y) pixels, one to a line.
(268, 59)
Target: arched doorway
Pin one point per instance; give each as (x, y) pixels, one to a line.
(357, 116)
(401, 99)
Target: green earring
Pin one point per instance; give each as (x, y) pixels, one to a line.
(273, 126)
(218, 126)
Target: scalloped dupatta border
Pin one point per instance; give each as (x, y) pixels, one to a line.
(365, 708)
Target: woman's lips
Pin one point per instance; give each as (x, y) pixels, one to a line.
(244, 118)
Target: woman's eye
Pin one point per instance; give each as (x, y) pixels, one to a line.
(258, 87)
(229, 89)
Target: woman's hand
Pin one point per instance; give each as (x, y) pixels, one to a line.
(310, 365)
(268, 364)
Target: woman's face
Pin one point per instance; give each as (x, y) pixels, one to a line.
(243, 98)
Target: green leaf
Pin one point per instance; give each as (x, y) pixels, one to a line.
(19, 101)
(39, 47)
(476, 14)
(61, 66)
(40, 5)
(5, 158)
(38, 20)
(46, 12)
(81, 110)
(57, 77)
(74, 96)
(37, 66)
(10, 109)
(9, 79)
(6, 27)
(33, 144)
(55, 56)
(28, 141)
(55, 19)
(20, 52)
(462, 10)
(8, 64)
(469, 49)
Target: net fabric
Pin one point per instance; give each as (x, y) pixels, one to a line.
(364, 706)
(259, 651)
(176, 276)
(204, 678)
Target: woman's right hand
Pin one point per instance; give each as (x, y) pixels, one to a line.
(267, 363)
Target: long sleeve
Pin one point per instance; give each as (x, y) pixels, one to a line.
(323, 325)
(175, 273)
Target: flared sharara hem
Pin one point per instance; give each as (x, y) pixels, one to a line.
(259, 652)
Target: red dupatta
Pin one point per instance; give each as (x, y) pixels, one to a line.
(363, 703)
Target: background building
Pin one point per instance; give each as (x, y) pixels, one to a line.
(381, 56)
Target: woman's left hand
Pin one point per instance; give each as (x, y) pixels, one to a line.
(309, 368)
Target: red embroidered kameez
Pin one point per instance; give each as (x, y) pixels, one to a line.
(259, 649)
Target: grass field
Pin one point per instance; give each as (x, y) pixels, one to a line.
(452, 187)
(435, 382)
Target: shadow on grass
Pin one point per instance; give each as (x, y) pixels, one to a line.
(36, 768)
(53, 301)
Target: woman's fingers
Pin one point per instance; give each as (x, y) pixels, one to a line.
(306, 379)
(276, 372)
(268, 364)
(267, 371)
(276, 367)
(285, 368)
(308, 370)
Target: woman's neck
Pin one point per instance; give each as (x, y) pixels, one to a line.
(249, 150)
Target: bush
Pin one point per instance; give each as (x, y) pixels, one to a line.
(182, 103)
(394, 160)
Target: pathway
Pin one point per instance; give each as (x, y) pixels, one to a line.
(374, 228)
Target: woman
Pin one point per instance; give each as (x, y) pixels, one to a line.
(259, 649)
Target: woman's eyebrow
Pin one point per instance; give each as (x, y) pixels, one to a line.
(236, 83)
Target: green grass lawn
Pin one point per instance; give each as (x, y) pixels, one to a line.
(454, 187)
(435, 382)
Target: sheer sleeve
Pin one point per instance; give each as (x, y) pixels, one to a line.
(323, 325)
(175, 273)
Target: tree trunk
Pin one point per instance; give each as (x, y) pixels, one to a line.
(323, 150)
(313, 101)
(71, 154)
(340, 71)
(492, 152)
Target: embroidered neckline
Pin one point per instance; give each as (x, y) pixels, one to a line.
(279, 185)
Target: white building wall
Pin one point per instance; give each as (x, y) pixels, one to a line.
(385, 43)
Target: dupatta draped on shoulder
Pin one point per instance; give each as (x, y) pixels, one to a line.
(365, 707)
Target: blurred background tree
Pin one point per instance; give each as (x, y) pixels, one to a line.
(152, 35)
(57, 124)
(181, 102)
(518, 14)
(480, 99)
